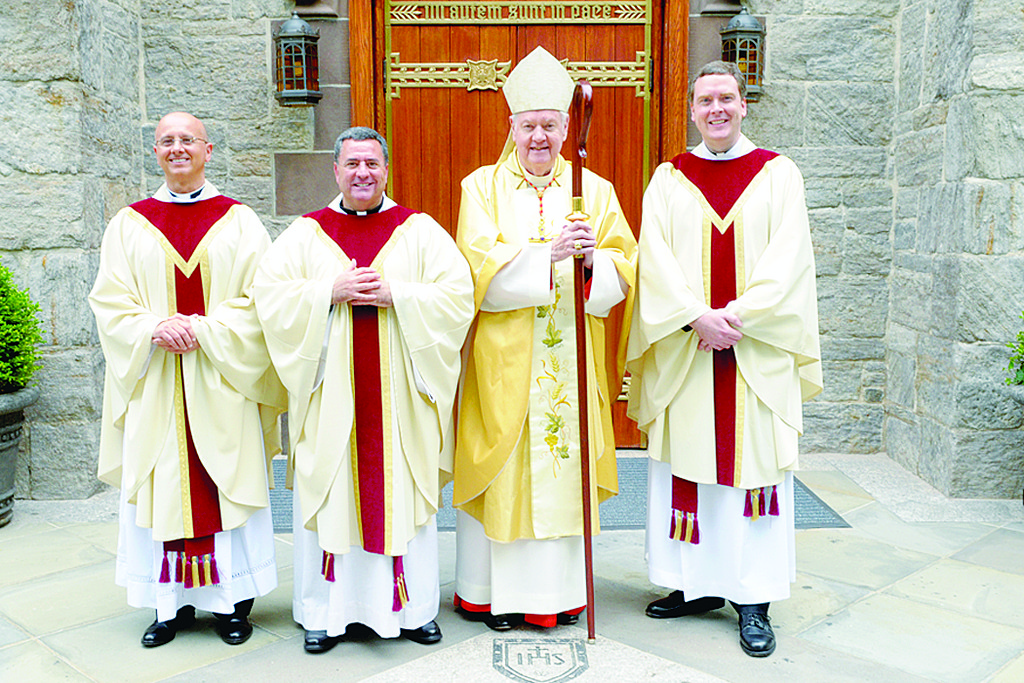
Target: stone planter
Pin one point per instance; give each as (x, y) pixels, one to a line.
(11, 416)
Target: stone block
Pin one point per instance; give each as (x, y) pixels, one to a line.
(917, 157)
(111, 133)
(933, 114)
(935, 380)
(911, 57)
(984, 362)
(851, 348)
(997, 27)
(779, 120)
(910, 291)
(873, 221)
(840, 162)
(904, 234)
(997, 72)
(866, 254)
(823, 193)
(71, 385)
(56, 279)
(255, 162)
(842, 381)
(873, 193)
(946, 211)
(857, 8)
(994, 227)
(258, 193)
(213, 77)
(902, 436)
(900, 339)
(120, 58)
(848, 114)
(46, 118)
(901, 380)
(771, 8)
(860, 48)
(989, 302)
(907, 202)
(992, 126)
(841, 428)
(284, 129)
(947, 51)
(63, 460)
(42, 212)
(874, 395)
(827, 228)
(946, 283)
(987, 464)
(200, 11)
(261, 9)
(40, 41)
(982, 406)
(853, 306)
(936, 454)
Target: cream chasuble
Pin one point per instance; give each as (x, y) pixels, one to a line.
(420, 337)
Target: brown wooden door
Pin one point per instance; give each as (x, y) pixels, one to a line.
(433, 88)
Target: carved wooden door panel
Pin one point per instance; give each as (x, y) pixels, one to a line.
(434, 89)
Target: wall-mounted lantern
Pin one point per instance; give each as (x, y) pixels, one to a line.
(743, 43)
(297, 71)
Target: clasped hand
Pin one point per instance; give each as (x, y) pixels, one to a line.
(175, 335)
(564, 245)
(361, 286)
(717, 330)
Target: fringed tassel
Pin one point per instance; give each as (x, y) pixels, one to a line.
(755, 504)
(327, 566)
(214, 574)
(179, 567)
(401, 591)
(165, 569)
(684, 527)
(189, 583)
(207, 574)
(773, 508)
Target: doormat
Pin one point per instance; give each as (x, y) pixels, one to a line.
(628, 510)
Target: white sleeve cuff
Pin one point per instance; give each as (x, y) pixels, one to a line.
(522, 282)
(605, 286)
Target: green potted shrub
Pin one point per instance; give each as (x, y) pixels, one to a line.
(19, 359)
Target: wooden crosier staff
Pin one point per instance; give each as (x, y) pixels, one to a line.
(580, 112)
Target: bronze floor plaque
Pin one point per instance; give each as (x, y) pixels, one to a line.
(531, 660)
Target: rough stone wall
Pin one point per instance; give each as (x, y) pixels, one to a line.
(828, 102)
(957, 240)
(82, 85)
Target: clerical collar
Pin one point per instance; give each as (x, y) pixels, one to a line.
(367, 212)
(742, 147)
(185, 197)
(385, 204)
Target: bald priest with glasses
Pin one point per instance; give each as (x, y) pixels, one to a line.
(189, 400)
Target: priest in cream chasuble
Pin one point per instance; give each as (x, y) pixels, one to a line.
(190, 398)
(517, 463)
(723, 350)
(365, 305)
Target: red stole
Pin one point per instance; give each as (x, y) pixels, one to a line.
(721, 183)
(361, 238)
(184, 226)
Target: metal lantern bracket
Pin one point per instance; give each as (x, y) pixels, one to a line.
(743, 44)
(296, 65)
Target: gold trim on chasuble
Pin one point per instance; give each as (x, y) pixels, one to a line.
(173, 260)
(734, 218)
(383, 316)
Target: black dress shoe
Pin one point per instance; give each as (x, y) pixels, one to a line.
(424, 635)
(675, 605)
(756, 636)
(502, 622)
(233, 630)
(319, 641)
(566, 619)
(163, 632)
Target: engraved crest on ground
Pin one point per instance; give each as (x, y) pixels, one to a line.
(531, 660)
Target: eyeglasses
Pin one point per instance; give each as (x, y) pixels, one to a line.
(186, 141)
